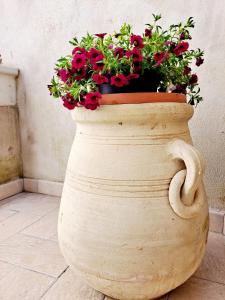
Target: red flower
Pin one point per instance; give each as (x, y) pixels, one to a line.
(98, 65)
(136, 40)
(63, 74)
(136, 66)
(80, 74)
(69, 102)
(180, 88)
(148, 32)
(199, 61)
(95, 55)
(119, 80)
(79, 50)
(99, 79)
(180, 48)
(132, 76)
(160, 57)
(187, 70)
(91, 100)
(79, 61)
(193, 79)
(182, 36)
(119, 51)
(136, 54)
(100, 35)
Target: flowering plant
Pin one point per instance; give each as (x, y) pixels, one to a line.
(120, 59)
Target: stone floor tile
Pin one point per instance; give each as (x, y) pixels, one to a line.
(45, 228)
(6, 213)
(216, 245)
(70, 287)
(5, 268)
(21, 284)
(37, 204)
(16, 223)
(213, 264)
(198, 289)
(34, 254)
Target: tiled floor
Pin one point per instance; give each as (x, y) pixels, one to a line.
(31, 266)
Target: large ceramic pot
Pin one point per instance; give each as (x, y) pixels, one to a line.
(133, 220)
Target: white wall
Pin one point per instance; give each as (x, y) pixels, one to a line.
(33, 34)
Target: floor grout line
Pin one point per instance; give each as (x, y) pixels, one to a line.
(53, 283)
(208, 280)
(25, 268)
(37, 237)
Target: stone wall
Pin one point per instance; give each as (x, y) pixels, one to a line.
(10, 158)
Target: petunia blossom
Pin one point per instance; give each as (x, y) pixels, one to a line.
(79, 50)
(135, 54)
(99, 79)
(133, 76)
(100, 35)
(137, 41)
(91, 100)
(119, 52)
(63, 74)
(199, 61)
(95, 54)
(160, 57)
(194, 79)
(148, 32)
(180, 48)
(78, 61)
(119, 80)
(69, 102)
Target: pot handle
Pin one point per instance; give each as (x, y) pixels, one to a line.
(186, 189)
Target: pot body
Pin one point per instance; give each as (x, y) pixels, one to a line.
(121, 225)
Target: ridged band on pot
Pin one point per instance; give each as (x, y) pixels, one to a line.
(118, 225)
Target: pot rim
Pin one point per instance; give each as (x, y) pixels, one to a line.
(141, 97)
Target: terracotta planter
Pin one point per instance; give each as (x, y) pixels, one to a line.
(133, 220)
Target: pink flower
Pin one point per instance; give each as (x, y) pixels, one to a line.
(99, 79)
(132, 76)
(110, 46)
(148, 32)
(63, 74)
(91, 100)
(180, 48)
(119, 80)
(80, 73)
(119, 52)
(69, 102)
(160, 57)
(168, 43)
(95, 55)
(79, 50)
(98, 65)
(100, 35)
(193, 79)
(137, 41)
(135, 54)
(78, 61)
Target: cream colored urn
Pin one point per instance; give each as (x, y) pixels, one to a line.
(133, 220)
